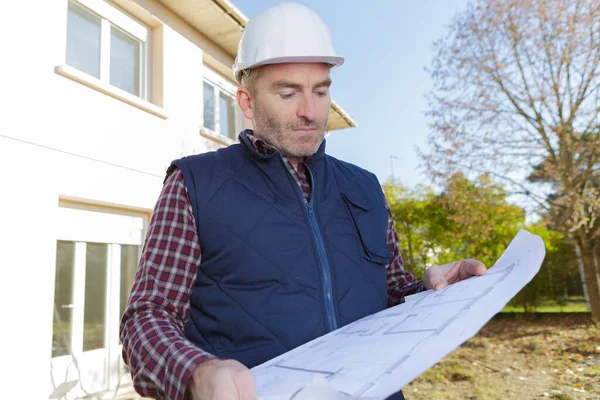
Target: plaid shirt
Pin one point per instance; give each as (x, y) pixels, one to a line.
(161, 358)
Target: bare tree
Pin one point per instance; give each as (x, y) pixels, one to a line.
(517, 95)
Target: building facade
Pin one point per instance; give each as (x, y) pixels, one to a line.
(98, 97)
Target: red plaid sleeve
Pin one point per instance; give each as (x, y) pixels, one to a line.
(400, 283)
(160, 357)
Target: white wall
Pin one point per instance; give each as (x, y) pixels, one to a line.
(61, 138)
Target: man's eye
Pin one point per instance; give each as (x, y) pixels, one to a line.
(286, 95)
(322, 93)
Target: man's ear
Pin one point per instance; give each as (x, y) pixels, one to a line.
(245, 102)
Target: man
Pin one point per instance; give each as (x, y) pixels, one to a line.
(260, 247)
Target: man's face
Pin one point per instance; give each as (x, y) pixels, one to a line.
(291, 106)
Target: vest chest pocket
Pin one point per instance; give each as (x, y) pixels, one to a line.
(371, 222)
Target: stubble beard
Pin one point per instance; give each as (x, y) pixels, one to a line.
(271, 131)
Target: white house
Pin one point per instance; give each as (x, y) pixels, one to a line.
(97, 98)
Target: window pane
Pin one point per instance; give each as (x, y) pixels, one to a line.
(63, 298)
(209, 106)
(125, 66)
(129, 261)
(83, 40)
(95, 296)
(226, 116)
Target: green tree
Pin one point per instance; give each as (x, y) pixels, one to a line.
(517, 95)
(473, 219)
(480, 221)
(558, 276)
(468, 219)
(414, 215)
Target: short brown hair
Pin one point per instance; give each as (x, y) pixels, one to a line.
(249, 79)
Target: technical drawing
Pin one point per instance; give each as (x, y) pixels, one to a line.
(376, 356)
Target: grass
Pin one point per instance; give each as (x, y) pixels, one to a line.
(575, 304)
(553, 356)
(450, 371)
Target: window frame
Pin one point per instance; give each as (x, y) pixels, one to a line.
(112, 17)
(83, 224)
(221, 86)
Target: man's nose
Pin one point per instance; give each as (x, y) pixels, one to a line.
(307, 108)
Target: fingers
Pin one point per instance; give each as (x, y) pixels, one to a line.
(471, 268)
(440, 284)
(439, 277)
(449, 273)
(249, 396)
(223, 380)
(435, 277)
(246, 385)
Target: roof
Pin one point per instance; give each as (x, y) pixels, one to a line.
(222, 22)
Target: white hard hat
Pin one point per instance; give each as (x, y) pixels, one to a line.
(285, 33)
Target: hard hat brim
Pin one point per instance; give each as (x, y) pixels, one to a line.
(333, 61)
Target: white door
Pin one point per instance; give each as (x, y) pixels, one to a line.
(96, 259)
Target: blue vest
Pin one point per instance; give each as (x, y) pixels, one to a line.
(276, 271)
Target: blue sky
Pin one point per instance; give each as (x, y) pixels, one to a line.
(382, 85)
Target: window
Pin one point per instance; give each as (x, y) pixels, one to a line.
(95, 288)
(63, 298)
(83, 40)
(221, 114)
(130, 256)
(94, 313)
(106, 43)
(97, 255)
(227, 116)
(125, 62)
(209, 106)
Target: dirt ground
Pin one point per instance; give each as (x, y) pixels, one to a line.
(518, 357)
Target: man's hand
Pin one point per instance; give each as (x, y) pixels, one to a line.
(440, 276)
(221, 380)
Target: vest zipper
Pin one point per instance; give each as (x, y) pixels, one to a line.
(320, 245)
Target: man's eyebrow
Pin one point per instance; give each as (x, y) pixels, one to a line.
(324, 83)
(283, 84)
